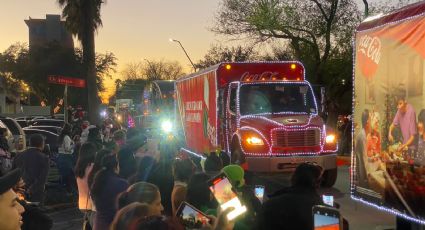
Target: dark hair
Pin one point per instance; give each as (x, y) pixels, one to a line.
(421, 116)
(146, 167)
(119, 135)
(97, 166)
(154, 222)
(213, 163)
(2, 131)
(402, 94)
(109, 164)
(36, 140)
(127, 162)
(129, 216)
(306, 175)
(198, 192)
(85, 157)
(183, 169)
(365, 117)
(142, 192)
(93, 134)
(66, 131)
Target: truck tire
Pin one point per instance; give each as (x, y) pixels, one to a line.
(237, 156)
(329, 177)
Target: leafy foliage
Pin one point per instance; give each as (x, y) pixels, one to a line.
(219, 53)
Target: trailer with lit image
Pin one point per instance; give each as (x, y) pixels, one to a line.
(262, 114)
(388, 157)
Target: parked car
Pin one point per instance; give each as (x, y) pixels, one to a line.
(48, 122)
(53, 129)
(9, 137)
(17, 132)
(50, 138)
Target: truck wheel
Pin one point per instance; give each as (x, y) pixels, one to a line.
(329, 177)
(237, 156)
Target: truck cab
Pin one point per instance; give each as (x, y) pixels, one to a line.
(263, 114)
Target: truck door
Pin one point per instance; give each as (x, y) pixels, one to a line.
(231, 112)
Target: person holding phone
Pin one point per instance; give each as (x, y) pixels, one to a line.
(291, 208)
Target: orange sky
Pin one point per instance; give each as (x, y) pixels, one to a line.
(132, 29)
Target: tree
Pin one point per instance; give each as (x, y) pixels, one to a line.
(219, 53)
(82, 20)
(313, 29)
(153, 70)
(21, 66)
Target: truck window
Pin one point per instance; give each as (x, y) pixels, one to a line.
(276, 98)
(232, 102)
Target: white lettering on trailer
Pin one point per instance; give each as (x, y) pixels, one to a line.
(193, 105)
(371, 48)
(193, 117)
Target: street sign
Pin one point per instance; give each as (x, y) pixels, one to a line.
(70, 81)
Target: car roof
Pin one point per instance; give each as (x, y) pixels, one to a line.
(41, 131)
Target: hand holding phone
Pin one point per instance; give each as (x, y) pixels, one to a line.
(326, 218)
(191, 217)
(259, 192)
(221, 188)
(328, 199)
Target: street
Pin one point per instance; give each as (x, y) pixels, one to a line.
(359, 216)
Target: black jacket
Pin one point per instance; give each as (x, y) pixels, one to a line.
(290, 210)
(35, 168)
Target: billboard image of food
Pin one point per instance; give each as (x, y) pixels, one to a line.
(389, 117)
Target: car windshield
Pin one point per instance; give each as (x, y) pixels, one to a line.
(276, 98)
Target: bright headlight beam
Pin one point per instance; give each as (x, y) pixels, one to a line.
(254, 141)
(167, 126)
(330, 139)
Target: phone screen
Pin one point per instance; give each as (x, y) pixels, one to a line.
(259, 192)
(328, 199)
(226, 197)
(326, 220)
(191, 217)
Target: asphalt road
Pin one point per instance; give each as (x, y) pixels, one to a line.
(359, 216)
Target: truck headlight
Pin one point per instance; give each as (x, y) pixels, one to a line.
(254, 141)
(167, 126)
(330, 139)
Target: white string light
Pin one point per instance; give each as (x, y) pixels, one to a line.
(353, 176)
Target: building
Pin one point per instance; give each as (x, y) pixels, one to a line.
(43, 31)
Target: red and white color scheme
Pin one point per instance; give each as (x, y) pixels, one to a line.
(388, 160)
(263, 114)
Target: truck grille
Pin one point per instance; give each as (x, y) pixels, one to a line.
(299, 138)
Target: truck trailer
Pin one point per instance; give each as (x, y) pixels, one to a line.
(264, 115)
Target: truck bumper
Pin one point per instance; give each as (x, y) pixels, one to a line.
(288, 163)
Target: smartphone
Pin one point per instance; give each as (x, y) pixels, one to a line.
(259, 192)
(221, 188)
(191, 217)
(328, 199)
(326, 218)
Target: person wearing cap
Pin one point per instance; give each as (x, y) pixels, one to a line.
(236, 176)
(35, 168)
(10, 209)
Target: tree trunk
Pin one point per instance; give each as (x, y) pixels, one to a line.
(89, 60)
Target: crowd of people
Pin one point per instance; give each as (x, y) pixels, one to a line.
(132, 182)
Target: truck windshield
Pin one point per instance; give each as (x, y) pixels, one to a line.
(276, 98)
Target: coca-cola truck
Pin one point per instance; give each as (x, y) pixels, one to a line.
(263, 114)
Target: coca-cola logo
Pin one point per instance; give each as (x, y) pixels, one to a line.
(369, 54)
(371, 48)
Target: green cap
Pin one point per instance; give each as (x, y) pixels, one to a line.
(235, 174)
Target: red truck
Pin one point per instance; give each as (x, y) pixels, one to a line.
(263, 114)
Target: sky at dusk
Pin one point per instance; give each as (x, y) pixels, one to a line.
(132, 29)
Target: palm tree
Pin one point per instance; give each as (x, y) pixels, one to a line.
(83, 19)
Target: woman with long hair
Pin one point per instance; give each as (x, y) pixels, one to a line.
(104, 191)
(82, 170)
(97, 165)
(65, 162)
